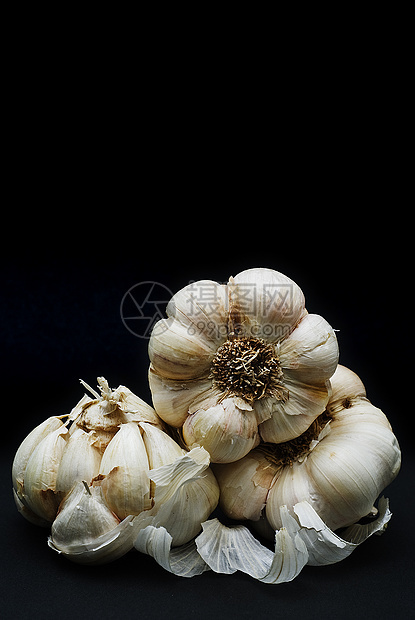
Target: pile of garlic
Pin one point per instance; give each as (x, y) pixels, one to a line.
(264, 421)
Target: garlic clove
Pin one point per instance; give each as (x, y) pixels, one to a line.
(80, 461)
(161, 449)
(126, 486)
(225, 430)
(290, 419)
(202, 309)
(347, 387)
(27, 447)
(311, 352)
(244, 485)
(135, 409)
(173, 399)
(27, 513)
(86, 531)
(177, 354)
(265, 303)
(39, 484)
(83, 516)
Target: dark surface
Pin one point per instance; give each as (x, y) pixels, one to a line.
(60, 318)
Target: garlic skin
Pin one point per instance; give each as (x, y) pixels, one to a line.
(245, 359)
(186, 493)
(340, 474)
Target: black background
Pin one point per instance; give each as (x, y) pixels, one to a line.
(61, 322)
(119, 174)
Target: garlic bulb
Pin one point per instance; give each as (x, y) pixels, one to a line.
(238, 363)
(91, 472)
(339, 465)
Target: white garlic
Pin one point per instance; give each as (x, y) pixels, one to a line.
(86, 531)
(233, 364)
(339, 466)
(124, 465)
(80, 461)
(27, 447)
(93, 471)
(186, 493)
(39, 480)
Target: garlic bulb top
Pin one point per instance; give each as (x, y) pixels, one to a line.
(236, 363)
(339, 465)
(91, 472)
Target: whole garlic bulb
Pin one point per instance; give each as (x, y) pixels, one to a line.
(238, 363)
(339, 465)
(91, 472)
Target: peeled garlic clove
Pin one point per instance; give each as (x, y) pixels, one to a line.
(86, 531)
(225, 430)
(39, 483)
(126, 486)
(80, 461)
(26, 448)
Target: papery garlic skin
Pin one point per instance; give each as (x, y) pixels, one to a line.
(186, 493)
(251, 342)
(341, 474)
